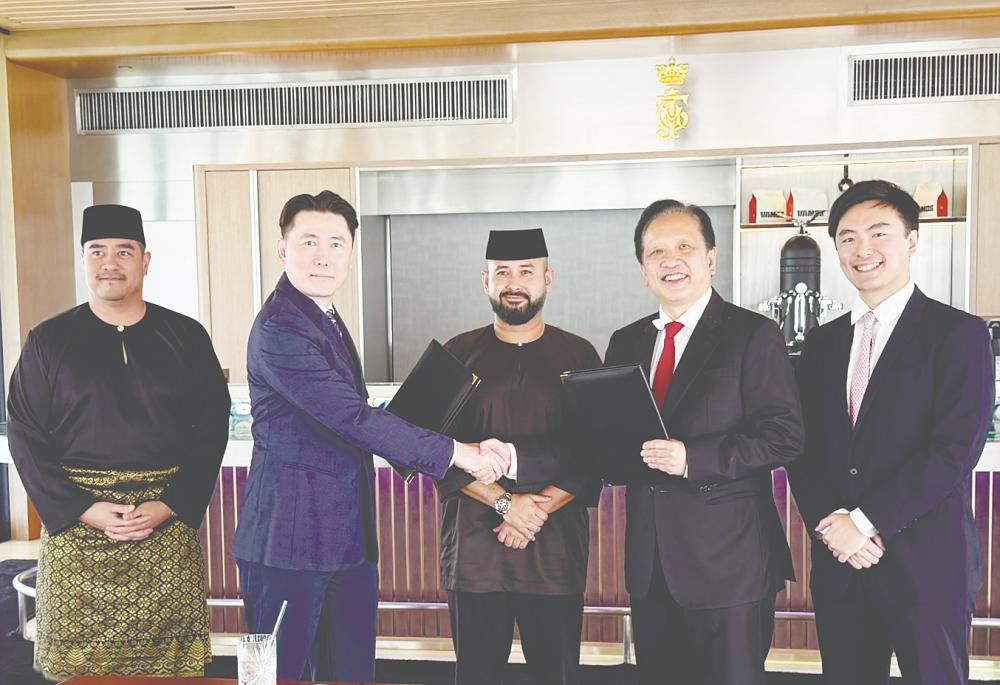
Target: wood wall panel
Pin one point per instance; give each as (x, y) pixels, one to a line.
(383, 524)
(36, 226)
(986, 248)
(408, 529)
(227, 267)
(39, 145)
(981, 495)
(991, 570)
(216, 535)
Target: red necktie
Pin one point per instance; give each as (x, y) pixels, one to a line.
(665, 368)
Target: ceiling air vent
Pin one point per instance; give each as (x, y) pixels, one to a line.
(925, 77)
(479, 99)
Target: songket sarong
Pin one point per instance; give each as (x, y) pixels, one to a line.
(106, 607)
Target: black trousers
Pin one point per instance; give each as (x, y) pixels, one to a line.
(482, 630)
(859, 631)
(678, 646)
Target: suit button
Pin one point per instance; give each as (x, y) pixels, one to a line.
(651, 489)
(853, 472)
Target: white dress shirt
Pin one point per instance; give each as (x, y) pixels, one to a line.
(887, 315)
(689, 319)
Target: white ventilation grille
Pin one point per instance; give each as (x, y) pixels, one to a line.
(927, 77)
(481, 99)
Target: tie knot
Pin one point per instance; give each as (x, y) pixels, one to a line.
(673, 328)
(331, 314)
(869, 320)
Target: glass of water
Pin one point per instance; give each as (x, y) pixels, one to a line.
(257, 660)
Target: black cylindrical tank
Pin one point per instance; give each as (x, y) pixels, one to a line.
(800, 263)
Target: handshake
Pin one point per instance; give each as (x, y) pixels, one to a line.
(486, 461)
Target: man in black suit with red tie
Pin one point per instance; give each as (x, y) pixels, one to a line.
(705, 553)
(897, 397)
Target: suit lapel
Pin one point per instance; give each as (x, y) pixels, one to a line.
(342, 342)
(644, 348)
(352, 352)
(343, 347)
(840, 359)
(700, 348)
(904, 334)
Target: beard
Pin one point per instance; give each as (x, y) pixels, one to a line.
(517, 315)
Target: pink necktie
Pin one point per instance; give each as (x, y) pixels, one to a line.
(862, 365)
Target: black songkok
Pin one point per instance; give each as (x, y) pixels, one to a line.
(112, 221)
(524, 244)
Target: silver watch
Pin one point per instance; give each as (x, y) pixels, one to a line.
(502, 504)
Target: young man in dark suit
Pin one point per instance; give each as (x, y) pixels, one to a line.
(705, 553)
(307, 526)
(897, 397)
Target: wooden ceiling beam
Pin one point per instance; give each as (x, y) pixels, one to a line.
(503, 25)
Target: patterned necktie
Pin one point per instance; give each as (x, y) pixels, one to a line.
(331, 314)
(862, 365)
(665, 367)
(352, 351)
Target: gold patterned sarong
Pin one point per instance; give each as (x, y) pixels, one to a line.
(106, 607)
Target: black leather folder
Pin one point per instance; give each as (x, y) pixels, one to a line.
(434, 393)
(619, 414)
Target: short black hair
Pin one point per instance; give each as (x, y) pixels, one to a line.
(885, 194)
(661, 207)
(327, 201)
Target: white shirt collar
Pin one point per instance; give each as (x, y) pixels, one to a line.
(690, 318)
(324, 309)
(889, 310)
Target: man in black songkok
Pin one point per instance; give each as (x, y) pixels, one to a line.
(516, 550)
(118, 420)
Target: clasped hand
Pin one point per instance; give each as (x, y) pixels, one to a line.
(125, 522)
(669, 456)
(848, 544)
(486, 461)
(523, 520)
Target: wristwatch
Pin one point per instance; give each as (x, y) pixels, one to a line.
(502, 504)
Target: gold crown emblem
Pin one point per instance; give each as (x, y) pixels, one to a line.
(672, 73)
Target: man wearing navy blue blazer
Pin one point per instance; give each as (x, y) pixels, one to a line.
(897, 397)
(307, 527)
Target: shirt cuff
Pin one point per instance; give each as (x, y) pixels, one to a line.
(685, 470)
(863, 523)
(454, 453)
(512, 471)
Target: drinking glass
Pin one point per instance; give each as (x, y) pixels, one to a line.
(257, 660)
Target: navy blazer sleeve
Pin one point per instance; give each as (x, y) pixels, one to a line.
(962, 406)
(292, 363)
